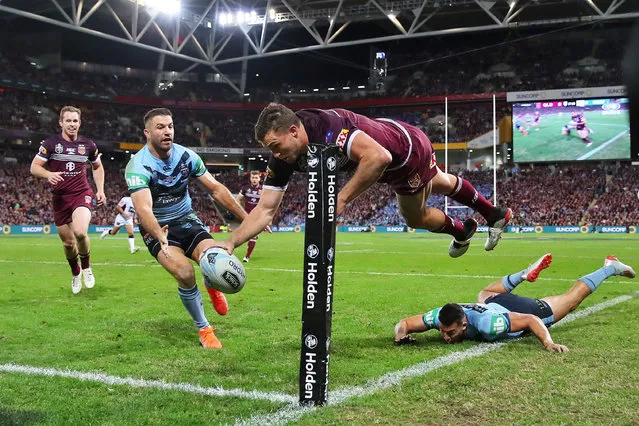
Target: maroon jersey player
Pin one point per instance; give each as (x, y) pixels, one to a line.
(248, 197)
(379, 150)
(62, 160)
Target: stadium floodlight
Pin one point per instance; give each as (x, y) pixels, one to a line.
(346, 87)
(170, 7)
(315, 90)
(271, 14)
(361, 87)
(331, 88)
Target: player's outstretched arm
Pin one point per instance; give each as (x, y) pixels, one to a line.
(524, 322)
(143, 203)
(406, 326)
(222, 194)
(372, 159)
(259, 218)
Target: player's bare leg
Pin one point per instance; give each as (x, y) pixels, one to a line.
(129, 230)
(218, 299)
(112, 231)
(417, 215)
(464, 192)
(509, 282)
(80, 225)
(563, 304)
(414, 324)
(182, 270)
(71, 253)
(249, 250)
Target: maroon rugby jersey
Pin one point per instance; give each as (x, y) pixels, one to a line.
(339, 127)
(252, 195)
(70, 158)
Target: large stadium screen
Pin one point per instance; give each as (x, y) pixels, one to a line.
(574, 130)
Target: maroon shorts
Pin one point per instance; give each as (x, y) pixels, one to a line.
(420, 167)
(64, 205)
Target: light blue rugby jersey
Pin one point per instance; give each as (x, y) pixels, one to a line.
(485, 321)
(167, 179)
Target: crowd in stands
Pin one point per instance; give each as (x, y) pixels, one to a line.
(114, 122)
(586, 194)
(587, 58)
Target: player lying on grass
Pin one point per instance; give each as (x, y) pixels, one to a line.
(499, 314)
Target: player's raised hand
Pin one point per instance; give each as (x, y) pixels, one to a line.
(554, 347)
(55, 178)
(226, 245)
(100, 198)
(164, 241)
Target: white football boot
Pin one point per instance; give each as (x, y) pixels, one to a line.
(76, 284)
(621, 269)
(88, 278)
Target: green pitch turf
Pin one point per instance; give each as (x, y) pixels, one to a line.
(610, 139)
(132, 324)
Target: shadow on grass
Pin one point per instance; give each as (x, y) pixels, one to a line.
(10, 417)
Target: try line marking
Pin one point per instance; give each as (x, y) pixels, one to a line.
(292, 411)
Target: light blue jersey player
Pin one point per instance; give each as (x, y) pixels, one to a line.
(158, 180)
(499, 314)
(484, 321)
(167, 179)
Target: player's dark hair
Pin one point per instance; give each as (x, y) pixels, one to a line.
(275, 117)
(154, 113)
(451, 313)
(255, 172)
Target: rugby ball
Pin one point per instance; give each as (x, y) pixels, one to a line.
(222, 271)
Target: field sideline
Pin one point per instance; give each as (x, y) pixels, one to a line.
(131, 356)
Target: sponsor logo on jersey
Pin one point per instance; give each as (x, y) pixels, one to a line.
(341, 138)
(59, 148)
(70, 166)
(270, 173)
(433, 160)
(43, 150)
(498, 324)
(87, 199)
(70, 150)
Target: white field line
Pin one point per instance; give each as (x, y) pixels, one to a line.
(293, 412)
(602, 146)
(275, 397)
(299, 271)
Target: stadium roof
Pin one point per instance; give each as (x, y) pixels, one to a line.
(218, 32)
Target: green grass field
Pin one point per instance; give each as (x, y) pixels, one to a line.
(133, 325)
(610, 139)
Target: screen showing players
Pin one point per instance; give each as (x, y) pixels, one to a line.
(584, 129)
